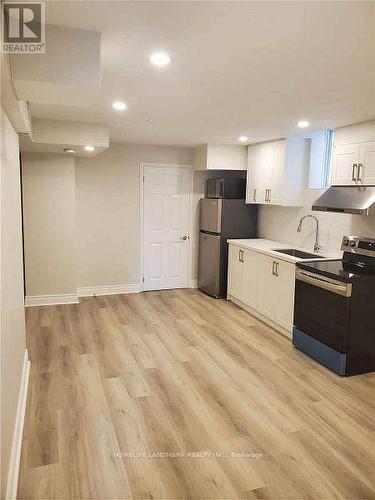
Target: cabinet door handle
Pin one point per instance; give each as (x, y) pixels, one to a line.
(359, 166)
(243, 253)
(277, 269)
(273, 268)
(269, 195)
(354, 178)
(255, 194)
(239, 255)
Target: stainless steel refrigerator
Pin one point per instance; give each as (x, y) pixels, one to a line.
(221, 219)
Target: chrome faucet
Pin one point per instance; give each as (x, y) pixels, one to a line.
(317, 247)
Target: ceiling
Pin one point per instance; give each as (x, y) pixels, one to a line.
(237, 68)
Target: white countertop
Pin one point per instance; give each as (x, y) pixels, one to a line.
(268, 246)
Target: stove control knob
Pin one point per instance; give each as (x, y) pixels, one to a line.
(352, 243)
(345, 242)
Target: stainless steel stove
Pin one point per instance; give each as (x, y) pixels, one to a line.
(334, 313)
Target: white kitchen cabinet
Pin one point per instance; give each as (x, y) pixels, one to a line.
(264, 302)
(283, 293)
(249, 277)
(220, 157)
(235, 274)
(259, 177)
(367, 163)
(353, 155)
(344, 159)
(263, 284)
(354, 164)
(242, 275)
(277, 172)
(275, 194)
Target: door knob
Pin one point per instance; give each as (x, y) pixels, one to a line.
(184, 237)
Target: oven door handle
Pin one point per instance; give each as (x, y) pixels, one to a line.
(344, 289)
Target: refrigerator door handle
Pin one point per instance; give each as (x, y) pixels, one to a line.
(221, 188)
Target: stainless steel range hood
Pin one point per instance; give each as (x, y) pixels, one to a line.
(347, 200)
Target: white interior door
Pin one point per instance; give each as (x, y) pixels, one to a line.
(165, 227)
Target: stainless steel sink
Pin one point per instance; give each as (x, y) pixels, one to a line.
(298, 253)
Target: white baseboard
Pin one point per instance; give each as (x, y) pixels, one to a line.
(193, 283)
(89, 291)
(48, 300)
(15, 457)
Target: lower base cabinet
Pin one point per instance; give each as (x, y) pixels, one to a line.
(284, 295)
(264, 284)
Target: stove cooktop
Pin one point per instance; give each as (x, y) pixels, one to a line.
(340, 270)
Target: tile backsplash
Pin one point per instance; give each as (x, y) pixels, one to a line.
(280, 224)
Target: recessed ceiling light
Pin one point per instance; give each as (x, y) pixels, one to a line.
(89, 148)
(243, 138)
(160, 59)
(68, 150)
(303, 124)
(119, 105)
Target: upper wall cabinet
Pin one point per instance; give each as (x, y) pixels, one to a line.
(354, 155)
(354, 164)
(220, 157)
(277, 171)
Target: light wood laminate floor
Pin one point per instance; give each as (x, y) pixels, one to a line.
(123, 388)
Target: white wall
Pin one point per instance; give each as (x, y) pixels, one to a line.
(81, 217)
(359, 132)
(70, 133)
(13, 342)
(49, 223)
(107, 211)
(280, 224)
(16, 111)
(69, 77)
